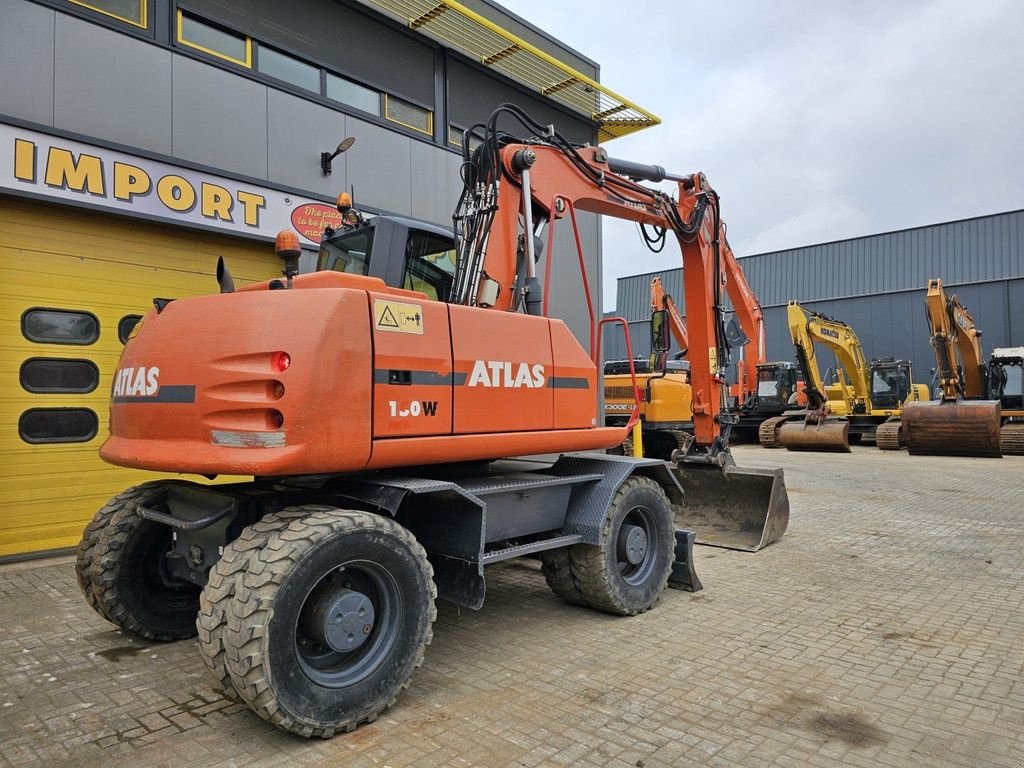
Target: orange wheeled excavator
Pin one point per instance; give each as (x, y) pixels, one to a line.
(385, 429)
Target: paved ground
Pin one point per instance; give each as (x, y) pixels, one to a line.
(886, 628)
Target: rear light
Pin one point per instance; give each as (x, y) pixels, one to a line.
(281, 361)
(276, 419)
(276, 390)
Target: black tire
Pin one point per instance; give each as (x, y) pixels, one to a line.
(638, 524)
(556, 565)
(280, 668)
(215, 599)
(120, 569)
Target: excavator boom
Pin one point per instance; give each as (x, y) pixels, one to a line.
(514, 190)
(961, 423)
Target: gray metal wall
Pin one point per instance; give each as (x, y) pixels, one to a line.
(876, 284)
(64, 73)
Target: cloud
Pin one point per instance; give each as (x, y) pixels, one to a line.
(814, 121)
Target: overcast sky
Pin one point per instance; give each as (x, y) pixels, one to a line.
(814, 120)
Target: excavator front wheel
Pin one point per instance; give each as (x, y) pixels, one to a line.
(626, 572)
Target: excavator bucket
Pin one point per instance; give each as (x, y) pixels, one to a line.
(832, 435)
(731, 507)
(962, 428)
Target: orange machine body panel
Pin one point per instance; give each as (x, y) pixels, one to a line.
(199, 387)
(504, 362)
(412, 367)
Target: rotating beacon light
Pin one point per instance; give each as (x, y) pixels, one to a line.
(287, 248)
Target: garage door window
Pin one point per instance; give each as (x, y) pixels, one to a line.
(59, 326)
(50, 375)
(58, 425)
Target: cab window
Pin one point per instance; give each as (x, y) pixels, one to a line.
(349, 253)
(429, 264)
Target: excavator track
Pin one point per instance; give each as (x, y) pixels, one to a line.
(1011, 437)
(768, 432)
(889, 435)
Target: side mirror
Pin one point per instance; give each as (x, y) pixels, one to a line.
(659, 331)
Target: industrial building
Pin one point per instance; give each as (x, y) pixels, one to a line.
(875, 284)
(142, 139)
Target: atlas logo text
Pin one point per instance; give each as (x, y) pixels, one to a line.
(497, 373)
(136, 382)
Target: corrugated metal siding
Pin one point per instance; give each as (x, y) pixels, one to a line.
(961, 252)
(976, 250)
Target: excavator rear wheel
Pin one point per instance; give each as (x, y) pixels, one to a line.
(1011, 437)
(331, 618)
(768, 431)
(122, 568)
(225, 576)
(889, 435)
(626, 572)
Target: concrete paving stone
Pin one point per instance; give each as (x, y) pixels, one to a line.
(874, 633)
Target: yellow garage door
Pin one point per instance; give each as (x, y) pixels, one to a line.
(74, 282)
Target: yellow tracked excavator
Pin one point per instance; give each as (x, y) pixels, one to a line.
(866, 401)
(963, 422)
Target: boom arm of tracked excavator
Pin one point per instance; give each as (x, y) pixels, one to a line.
(953, 333)
(962, 423)
(806, 328)
(744, 302)
(662, 300)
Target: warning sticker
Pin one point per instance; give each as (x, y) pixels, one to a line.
(713, 358)
(397, 316)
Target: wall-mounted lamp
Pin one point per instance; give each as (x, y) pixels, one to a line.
(326, 158)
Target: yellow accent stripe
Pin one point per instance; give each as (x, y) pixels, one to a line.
(466, 31)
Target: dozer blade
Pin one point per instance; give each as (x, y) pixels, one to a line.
(831, 435)
(962, 428)
(731, 507)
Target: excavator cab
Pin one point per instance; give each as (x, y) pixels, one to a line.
(890, 383)
(405, 253)
(1006, 378)
(776, 385)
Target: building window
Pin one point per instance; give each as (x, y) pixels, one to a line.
(455, 137)
(354, 95)
(125, 326)
(59, 326)
(50, 375)
(408, 115)
(129, 11)
(58, 425)
(288, 69)
(214, 41)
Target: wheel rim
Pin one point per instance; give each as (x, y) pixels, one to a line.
(636, 545)
(348, 623)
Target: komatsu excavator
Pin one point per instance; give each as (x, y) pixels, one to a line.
(396, 440)
(866, 401)
(963, 422)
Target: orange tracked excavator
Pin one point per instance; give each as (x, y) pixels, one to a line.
(962, 422)
(385, 429)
